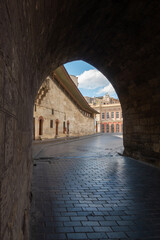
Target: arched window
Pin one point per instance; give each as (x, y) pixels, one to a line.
(112, 128)
(107, 128)
(117, 127)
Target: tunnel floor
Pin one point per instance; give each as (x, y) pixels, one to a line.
(84, 189)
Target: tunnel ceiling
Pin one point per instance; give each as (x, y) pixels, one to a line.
(115, 36)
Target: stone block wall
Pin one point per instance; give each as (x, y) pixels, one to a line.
(16, 104)
(64, 110)
(15, 158)
(142, 123)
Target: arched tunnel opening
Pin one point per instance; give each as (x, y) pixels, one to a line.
(121, 39)
(92, 94)
(71, 165)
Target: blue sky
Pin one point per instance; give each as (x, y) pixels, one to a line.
(91, 81)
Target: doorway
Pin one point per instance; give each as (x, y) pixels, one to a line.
(41, 126)
(57, 122)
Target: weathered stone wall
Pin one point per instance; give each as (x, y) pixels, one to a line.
(120, 38)
(64, 110)
(15, 156)
(16, 106)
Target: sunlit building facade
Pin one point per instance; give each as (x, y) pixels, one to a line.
(60, 110)
(110, 119)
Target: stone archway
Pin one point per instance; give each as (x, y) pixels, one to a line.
(120, 38)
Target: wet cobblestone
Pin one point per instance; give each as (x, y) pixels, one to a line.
(85, 190)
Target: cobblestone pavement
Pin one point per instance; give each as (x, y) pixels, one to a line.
(86, 190)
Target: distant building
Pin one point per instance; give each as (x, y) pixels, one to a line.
(60, 109)
(110, 119)
(89, 99)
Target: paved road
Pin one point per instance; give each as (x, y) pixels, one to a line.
(86, 190)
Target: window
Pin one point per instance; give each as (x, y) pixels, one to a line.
(117, 114)
(121, 115)
(117, 127)
(102, 128)
(52, 111)
(102, 115)
(107, 115)
(112, 114)
(51, 123)
(107, 128)
(112, 128)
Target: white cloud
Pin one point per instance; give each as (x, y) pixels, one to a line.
(107, 89)
(92, 79)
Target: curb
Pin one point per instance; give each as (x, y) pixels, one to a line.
(64, 139)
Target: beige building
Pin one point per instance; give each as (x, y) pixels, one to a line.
(74, 79)
(60, 109)
(110, 119)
